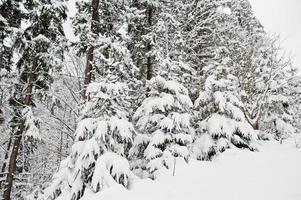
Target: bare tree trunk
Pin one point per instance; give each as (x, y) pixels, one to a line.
(150, 70)
(12, 163)
(89, 63)
(88, 71)
(18, 137)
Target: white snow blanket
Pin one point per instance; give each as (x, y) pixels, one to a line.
(273, 173)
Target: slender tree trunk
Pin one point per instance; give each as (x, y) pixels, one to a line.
(13, 163)
(89, 63)
(18, 137)
(255, 125)
(88, 71)
(150, 70)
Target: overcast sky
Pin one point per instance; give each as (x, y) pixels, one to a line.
(282, 17)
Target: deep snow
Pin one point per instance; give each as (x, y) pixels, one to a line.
(273, 173)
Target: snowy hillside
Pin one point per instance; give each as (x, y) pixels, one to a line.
(274, 173)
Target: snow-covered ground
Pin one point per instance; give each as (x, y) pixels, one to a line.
(273, 173)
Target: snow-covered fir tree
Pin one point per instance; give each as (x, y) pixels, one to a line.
(10, 21)
(170, 56)
(279, 107)
(163, 120)
(221, 121)
(10, 15)
(103, 138)
(40, 45)
(102, 29)
(104, 134)
(200, 31)
(295, 100)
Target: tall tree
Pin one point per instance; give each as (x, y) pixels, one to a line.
(88, 12)
(10, 15)
(104, 132)
(41, 47)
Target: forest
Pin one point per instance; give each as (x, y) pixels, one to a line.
(142, 86)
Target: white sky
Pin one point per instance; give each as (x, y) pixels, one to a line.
(282, 17)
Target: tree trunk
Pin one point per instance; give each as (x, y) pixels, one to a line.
(89, 63)
(88, 71)
(18, 137)
(150, 70)
(255, 125)
(13, 163)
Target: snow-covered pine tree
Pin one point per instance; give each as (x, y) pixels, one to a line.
(252, 59)
(295, 93)
(10, 20)
(200, 31)
(103, 35)
(104, 135)
(147, 51)
(136, 30)
(103, 138)
(221, 122)
(263, 79)
(279, 110)
(170, 56)
(40, 46)
(10, 15)
(295, 105)
(163, 119)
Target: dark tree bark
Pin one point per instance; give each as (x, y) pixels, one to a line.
(88, 71)
(17, 137)
(150, 70)
(90, 51)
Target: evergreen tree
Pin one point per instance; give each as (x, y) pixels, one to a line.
(104, 134)
(103, 138)
(40, 48)
(163, 119)
(104, 41)
(221, 122)
(10, 20)
(279, 111)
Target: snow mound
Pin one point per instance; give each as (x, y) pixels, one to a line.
(273, 173)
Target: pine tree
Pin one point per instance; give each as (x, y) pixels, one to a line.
(104, 42)
(279, 110)
(221, 121)
(104, 134)
(171, 58)
(163, 119)
(10, 20)
(200, 32)
(41, 48)
(103, 138)
(10, 15)
(222, 124)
